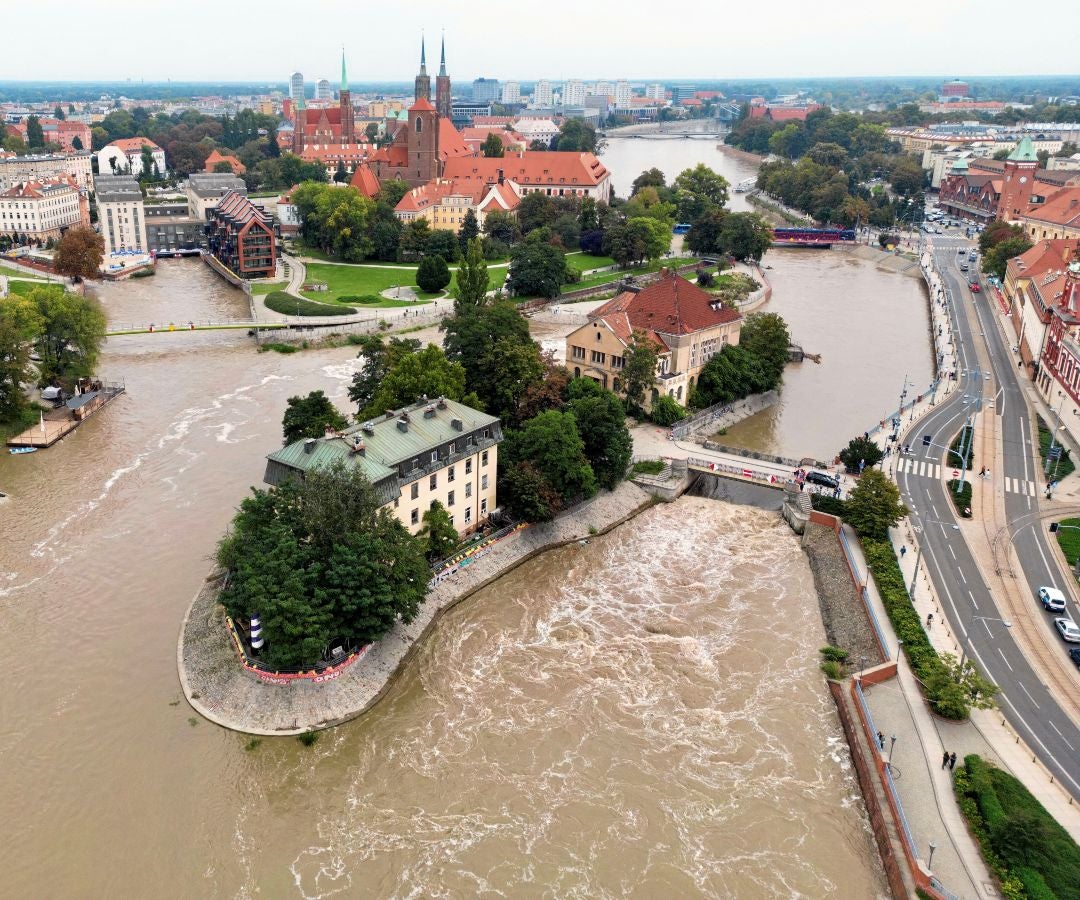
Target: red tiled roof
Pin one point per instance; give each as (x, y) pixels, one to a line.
(530, 168)
(1044, 256)
(395, 155)
(421, 105)
(365, 181)
(1060, 208)
(215, 157)
(671, 305)
(451, 143)
(134, 144)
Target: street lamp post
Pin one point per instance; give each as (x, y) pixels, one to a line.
(930, 861)
(892, 743)
(1053, 437)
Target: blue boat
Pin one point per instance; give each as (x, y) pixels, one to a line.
(23, 450)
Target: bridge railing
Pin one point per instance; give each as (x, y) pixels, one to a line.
(752, 476)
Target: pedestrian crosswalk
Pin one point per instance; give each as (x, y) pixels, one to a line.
(1021, 486)
(927, 469)
(923, 467)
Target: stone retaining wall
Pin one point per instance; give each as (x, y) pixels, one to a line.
(216, 687)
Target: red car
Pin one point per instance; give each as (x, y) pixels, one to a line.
(974, 287)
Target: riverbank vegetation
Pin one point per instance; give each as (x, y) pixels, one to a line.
(754, 365)
(835, 167)
(1029, 851)
(321, 565)
(47, 336)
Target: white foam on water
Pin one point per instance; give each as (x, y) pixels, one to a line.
(624, 717)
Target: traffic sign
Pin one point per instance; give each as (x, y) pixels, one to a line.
(955, 473)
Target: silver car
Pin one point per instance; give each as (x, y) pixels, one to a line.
(1068, 630)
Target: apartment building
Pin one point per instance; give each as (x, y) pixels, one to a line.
(511, 93)
(40, 210)
(15, 169)
(121, 214)
(434, 450)
(573, 93)
(243, 237)
(124, 156)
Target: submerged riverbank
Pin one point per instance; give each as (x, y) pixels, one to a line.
(218, 688)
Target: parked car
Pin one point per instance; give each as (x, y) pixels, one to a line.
(1074, 655)
(1067, 629)
(974, 287)
(963, 267)
(1052, 599)
(822, 479)
(973, 255)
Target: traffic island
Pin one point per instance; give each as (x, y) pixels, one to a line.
(961, 499)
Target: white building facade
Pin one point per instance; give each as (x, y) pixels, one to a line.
(542, 97)
(124, 157)
(121, 214)
(40, 210)
(573, 93)
(511, 92)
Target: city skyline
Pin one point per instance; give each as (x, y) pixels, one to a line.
(892, 42)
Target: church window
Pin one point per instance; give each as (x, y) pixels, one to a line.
(419, 124)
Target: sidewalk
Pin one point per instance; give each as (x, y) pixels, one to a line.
(925, 788)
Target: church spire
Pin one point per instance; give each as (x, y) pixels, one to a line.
(423, 56)
(344, 77)
(442, 56)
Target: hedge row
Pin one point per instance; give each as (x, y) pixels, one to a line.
(828, 504)
(288, 305)
(1027, 848)
(925, 662)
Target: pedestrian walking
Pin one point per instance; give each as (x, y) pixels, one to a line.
(952, 761)
(982, 472)
(945, 759)
(929, 620)
(903, 550)
(881, 740)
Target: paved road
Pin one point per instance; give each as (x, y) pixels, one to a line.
(1028, 704)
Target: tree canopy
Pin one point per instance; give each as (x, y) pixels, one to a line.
(319, 562)
(70, 335)
(536, 269)
(551, 444)
(309, 417)
(471, 282)
(873, 506)
(79, 253)
(426, 371)
(699, 190)
(20, 324)
(601, 422)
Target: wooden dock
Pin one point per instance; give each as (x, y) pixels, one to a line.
(59, 423)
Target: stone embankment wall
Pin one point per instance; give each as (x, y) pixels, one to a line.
(217, 687)
(842, 612)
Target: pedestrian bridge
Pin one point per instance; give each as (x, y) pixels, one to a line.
(747, 474)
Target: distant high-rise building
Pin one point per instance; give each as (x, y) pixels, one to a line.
(485, 90)
(603, 88)
(511, 92)
(622, 93)
(322, 90)
(542, 94)
(573, 93)
(296, 86)
(655, 92)
(682, 92)
(955, 89)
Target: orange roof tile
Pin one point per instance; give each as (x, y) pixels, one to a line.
(135, 143)
(215, 157)
(530, 168)
(365, 181)
(671, 305)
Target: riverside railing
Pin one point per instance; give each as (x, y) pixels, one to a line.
(905, 829)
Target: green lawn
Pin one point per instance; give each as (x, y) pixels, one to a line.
(1069, 539)
(16, 273)
(607, 277)
(583, 261)
(356, 280)
(269, 287)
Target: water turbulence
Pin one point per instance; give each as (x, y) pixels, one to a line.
(641, 714)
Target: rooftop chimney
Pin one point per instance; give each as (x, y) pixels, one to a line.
(403, 424)
(442, 403)
(429, 412)
(359, 446)
(369, 428)
(457, 424)
(309, 445)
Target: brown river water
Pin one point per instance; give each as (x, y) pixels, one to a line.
(639, 716)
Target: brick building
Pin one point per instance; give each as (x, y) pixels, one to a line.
(243, 237)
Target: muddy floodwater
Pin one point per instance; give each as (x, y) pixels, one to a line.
(628, 717)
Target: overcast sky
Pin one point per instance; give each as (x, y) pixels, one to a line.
(245, 40)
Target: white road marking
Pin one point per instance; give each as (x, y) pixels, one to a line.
(1026, 691)
(973, 603)
(952, 552)
(1011, 668)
